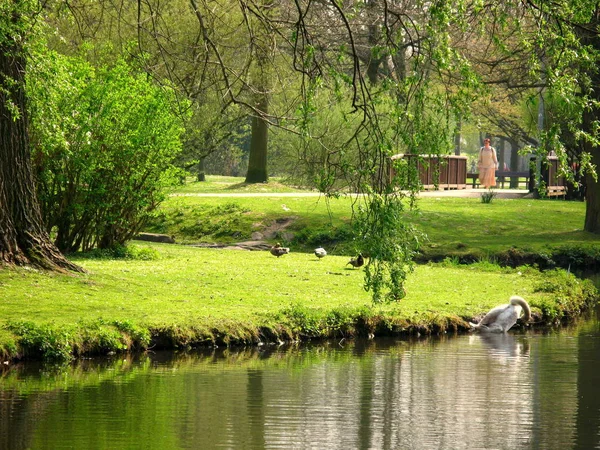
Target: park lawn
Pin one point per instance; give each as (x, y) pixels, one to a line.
(185, 296)
(458, 223)
(453, 226)
(193, 219)
(192, 296)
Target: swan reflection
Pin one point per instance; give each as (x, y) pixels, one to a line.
(503, 345)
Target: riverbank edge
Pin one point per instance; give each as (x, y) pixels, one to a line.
(29, 341)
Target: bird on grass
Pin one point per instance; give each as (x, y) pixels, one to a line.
(278, 250)
(501, 318)
(320, 252)
(357, 262)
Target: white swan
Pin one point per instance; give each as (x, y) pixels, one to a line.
(503, 317)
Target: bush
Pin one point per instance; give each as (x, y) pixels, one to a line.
(103, 140)
(42, 341)
(319, 237)
(132, 252)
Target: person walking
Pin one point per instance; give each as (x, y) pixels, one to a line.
(487, 164)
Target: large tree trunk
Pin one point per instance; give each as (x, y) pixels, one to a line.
(262, 77)
(590, 117)
(592, 197)
(23, 239)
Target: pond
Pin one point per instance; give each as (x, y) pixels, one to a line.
(517, 391)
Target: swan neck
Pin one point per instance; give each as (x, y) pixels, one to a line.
(523, 304)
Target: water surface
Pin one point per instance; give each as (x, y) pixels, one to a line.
(515, 391)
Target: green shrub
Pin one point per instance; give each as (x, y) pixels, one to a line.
(118, 251)
(577, 257)
(42, 341)
(103, 142)
(139, 336)
(323, 237)
(571, 295)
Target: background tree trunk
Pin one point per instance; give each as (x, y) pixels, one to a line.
(457, 136)
(201, 172)
(23, 239)
(257, 160)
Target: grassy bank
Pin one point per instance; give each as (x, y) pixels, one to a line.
(169, 296)
(546, 233)
(174, 296)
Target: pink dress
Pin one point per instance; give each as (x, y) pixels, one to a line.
(487, 164)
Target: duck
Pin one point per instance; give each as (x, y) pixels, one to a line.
(357, 262)
(320, 252)
(501, 318)
(278, 250)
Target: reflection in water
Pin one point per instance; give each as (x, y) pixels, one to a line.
(477, 391)
(503, 345)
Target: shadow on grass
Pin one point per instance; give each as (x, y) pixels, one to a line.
(233, 187)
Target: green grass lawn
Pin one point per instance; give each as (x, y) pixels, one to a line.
(454, 226)
(189, 295)
(524, 223)
(189, 284)
(182, 295)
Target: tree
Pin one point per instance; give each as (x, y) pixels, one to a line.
(23, 239)
(262, 45)
(589, 33)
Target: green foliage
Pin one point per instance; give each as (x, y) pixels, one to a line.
(219, 140)
(97, 337)
(314, 322)
(59, 343)
(488, 196)
(103, 141)
(577, 256)
(390, 243)
(130, 251)
(570, 295)
(102, 337)
(139, 336)
(329, 236)
(46, 341)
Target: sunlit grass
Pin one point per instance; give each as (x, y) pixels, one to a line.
(524, 223)
(191, 294)
(223, 184)
(187, 284)
(452, 225)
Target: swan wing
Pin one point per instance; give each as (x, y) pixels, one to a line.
(493, 315)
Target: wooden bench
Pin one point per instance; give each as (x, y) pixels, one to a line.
(512, 175)
(474, 176)
(501, 178)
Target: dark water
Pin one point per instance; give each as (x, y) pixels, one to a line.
(523, 391)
